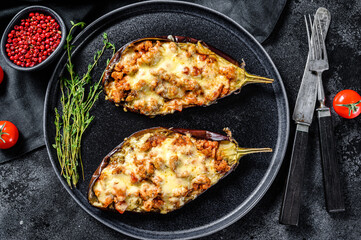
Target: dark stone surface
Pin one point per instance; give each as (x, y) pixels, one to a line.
(34, 205)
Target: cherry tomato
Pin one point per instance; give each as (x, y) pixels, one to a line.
(1, 74)
(347, 103)
(9, 134)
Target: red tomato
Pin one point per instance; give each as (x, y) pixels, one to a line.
(347, 103)
(9, 134)
(1, 74)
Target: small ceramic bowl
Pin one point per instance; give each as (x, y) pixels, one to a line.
(23, 14)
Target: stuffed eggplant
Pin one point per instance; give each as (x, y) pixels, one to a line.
(158, 76)
(160, 169)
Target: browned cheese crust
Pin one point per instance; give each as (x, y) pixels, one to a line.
(160, 170)
(155, 77)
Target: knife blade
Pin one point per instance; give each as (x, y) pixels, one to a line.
(302, 115)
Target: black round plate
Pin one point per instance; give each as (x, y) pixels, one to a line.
(258, 117)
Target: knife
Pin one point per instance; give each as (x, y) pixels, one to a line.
(302, 115)
(331, 177)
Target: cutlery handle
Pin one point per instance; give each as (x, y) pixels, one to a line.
(331, 177)
(292, 196)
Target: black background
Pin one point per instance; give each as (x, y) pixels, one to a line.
(34, 204)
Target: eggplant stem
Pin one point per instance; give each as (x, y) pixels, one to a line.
(250, 78)
(245, 151)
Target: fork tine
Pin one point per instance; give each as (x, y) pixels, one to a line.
(309, 37)
(308, 34)
(312, 37)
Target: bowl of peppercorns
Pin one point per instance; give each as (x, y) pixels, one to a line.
(33, 38)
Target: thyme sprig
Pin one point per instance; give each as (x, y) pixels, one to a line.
(78, 95)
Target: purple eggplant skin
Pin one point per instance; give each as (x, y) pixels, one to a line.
(249, 78)
(200, 134)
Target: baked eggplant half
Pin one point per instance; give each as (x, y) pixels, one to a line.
(160, 169)
(161, 75)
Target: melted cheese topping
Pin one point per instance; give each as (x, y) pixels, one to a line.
(161, 171)
(162, 77)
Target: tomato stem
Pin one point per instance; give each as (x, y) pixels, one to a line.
(2, 133)
(352, 107)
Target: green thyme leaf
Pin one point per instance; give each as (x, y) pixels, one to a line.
(78, 96)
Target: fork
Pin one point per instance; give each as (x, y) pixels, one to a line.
(318, 56)
(318, 64)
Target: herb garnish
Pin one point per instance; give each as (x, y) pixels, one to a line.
(78, 95)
